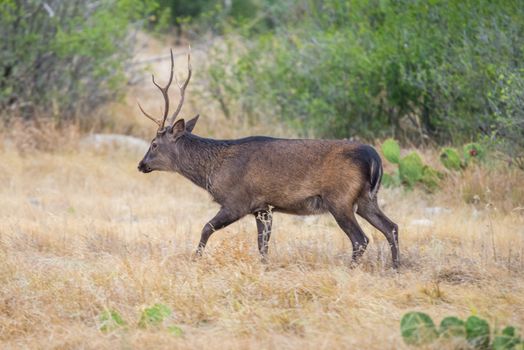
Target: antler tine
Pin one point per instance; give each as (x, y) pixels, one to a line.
(182, 89)
(157, 122)
(164, 91)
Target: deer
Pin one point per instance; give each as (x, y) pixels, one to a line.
(260, 175)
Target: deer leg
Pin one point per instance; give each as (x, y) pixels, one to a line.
(348, 223)
(223, 218)
(264, 220)
(370, 211)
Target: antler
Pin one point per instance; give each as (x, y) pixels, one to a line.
(182, 88)
(164, 91)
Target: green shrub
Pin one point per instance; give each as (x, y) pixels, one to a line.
(154, 316)
(444, 70)
(450, 158)
(391, 150)
(110, 320)
(65, 58)
(411, 169)
(473, 151)
(417, 328)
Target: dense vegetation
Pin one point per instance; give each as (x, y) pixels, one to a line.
(62, 58)
(448, 71)
(442, 71)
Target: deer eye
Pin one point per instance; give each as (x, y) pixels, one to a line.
(154, 145)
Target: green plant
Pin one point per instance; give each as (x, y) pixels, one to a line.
(110, 320)
(391, 150)
(411, 169)
(65, 58)
(473, 151)
(452, 327)
(450, 158)
(154, 316)
(417, 328)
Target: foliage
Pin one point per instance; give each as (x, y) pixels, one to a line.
(473, 151)
(450, 158)
(154, 316)
(417, 328)
(452, 327)
(411, 170)
(447, 70)
(391, 150)
(65, 58)
(110, 320)
(477, 332)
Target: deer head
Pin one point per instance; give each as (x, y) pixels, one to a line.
(163, 146)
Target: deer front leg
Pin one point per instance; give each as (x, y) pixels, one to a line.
(223, 218)
(264, 220)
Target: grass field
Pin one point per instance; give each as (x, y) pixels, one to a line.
(82, 231)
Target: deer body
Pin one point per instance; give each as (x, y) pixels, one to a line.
(259, 175)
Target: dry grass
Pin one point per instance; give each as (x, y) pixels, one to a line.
(82, 232)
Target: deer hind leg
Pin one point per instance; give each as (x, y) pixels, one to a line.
(264, 219)
(369, 210)
(348, 223)
(223, 218)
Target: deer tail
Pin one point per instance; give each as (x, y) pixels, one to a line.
(375, 172)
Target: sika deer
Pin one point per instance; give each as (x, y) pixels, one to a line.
(260, 175)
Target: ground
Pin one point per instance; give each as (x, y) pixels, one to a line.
(82, 231)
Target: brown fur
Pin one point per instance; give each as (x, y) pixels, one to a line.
(259, 175)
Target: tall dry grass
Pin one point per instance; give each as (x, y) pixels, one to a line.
(82, 231)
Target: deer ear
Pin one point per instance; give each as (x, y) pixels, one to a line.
(191, 123)
(178, 127)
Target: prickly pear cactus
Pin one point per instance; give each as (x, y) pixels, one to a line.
(450, 158)
(411, 169)
(391, 180)
(474, 151)
(391, 151)
(431, 178)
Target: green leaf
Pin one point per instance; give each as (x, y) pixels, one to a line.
(417, 328)
(391, 150)
(507, 340)
(154, 315)
(451, 327)
(477, 332)
(110, 320)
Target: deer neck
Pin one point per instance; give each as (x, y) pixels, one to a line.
(197, 159)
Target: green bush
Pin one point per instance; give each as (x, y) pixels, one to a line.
(110, 320)
(446, 70)
(64, 58)
(391, 150)
(411, 169)
(450, 158)
(473, 151)
(154, 316)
